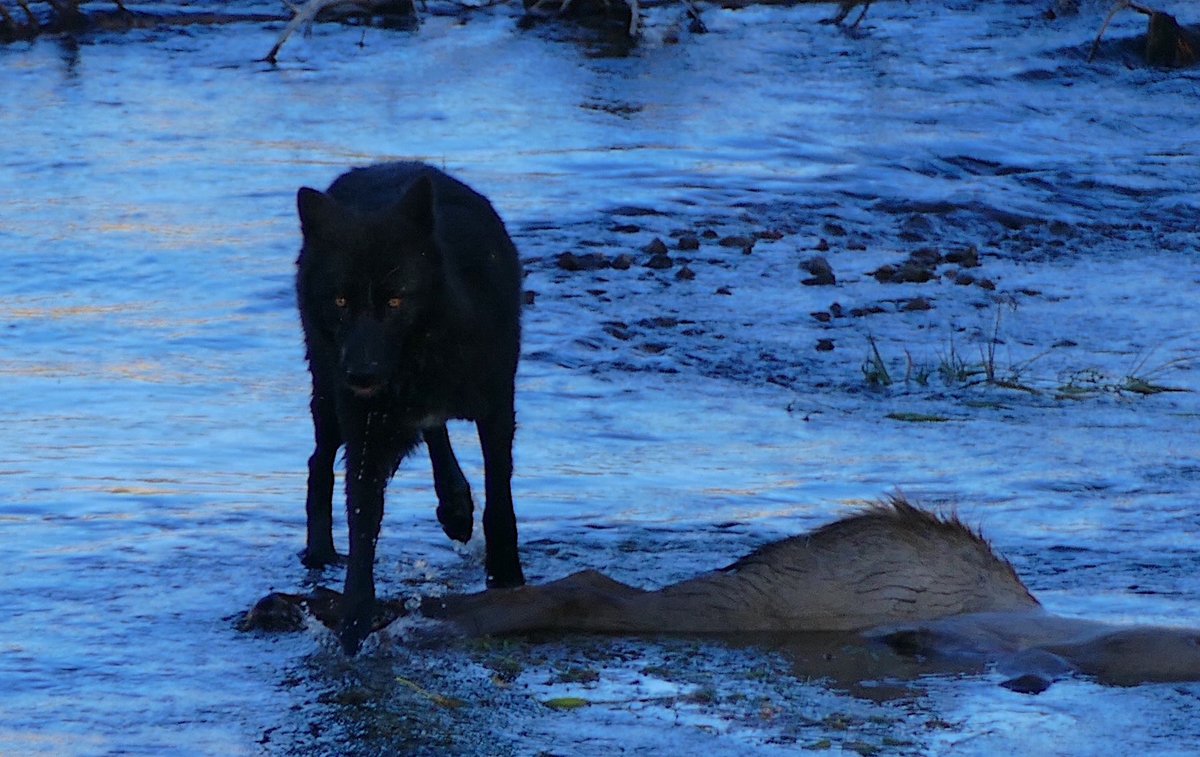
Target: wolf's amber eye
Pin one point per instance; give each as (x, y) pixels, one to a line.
(395, 302)
(339, 301)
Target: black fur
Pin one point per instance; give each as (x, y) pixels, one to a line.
(409, 290)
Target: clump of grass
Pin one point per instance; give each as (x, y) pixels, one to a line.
(1136, 385)
(914, 372)
(1089, 382)
(874, 369)
(955, 369)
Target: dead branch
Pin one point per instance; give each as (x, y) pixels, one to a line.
(304, 15)
(844, 10)
(1167, 44)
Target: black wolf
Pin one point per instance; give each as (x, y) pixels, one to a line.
(409, 290)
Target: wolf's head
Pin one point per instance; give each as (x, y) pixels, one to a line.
(369, 280)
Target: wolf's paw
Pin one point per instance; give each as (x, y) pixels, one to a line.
(316, 559)
(456, 513)
(509, 578)
(355, 628)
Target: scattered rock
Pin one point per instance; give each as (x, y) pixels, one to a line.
(834, 229)
(633, 210)
(856, 246)
(1030, 683)
(724, 290)
(618, 330)
(822, 272)
(659, 322)
(622, 262)
(745, 243)
(916, 304)
(626, 228)
(688, 242)
(987, 284)
(836, 310)
(906, 273)
(653, 348)
(659, 262)
(770, 235)
(709, 234)
(656, 247)
(685, 273)
(964, 279)
(824, 345)
(1060, 228)
(967, 257)
(916, 228)
(926, 257)
(822, 245)
(822, 316)
(530, 296)
(590, 261)
(869, 310)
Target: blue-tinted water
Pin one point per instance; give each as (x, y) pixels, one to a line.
(155, 431)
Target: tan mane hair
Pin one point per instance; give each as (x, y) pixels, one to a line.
(898, 517)
(889, 563)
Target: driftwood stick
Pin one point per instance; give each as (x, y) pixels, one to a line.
(1166, 42)
(697, 21)
(844, 8)
(1117, 8)
(303, 16)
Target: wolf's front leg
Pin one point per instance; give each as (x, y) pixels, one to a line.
(366, 479)
(499, 521)
(318, 551)
(455, 511)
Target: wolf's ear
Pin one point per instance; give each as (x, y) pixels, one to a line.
(318, 211)
(417, 205)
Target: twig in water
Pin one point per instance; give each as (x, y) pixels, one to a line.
(697, 25)
(1119, 6)
(303, 16)
(844, 11)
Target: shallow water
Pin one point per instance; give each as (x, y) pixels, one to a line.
(154, 438)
